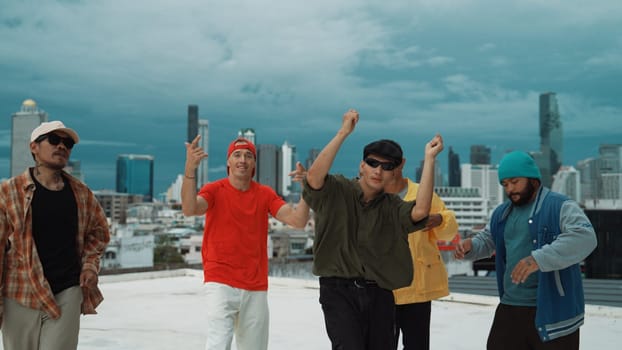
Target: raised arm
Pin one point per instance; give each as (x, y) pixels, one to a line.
(426, 185)
(320, 167)
(191, 204)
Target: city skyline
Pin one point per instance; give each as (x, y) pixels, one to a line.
(122, 75)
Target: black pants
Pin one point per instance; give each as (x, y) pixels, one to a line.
(413, 320)
(514, 329)
(358, 314)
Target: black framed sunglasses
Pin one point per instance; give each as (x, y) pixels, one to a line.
(55, 139)
(375, 162)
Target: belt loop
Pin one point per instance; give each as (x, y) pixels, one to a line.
(358, 283)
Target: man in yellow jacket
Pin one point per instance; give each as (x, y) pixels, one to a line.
(414, 303)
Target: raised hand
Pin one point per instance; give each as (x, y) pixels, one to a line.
(434, 220)
(194, 154)
(435, 146)
(350, 118)
(299, 174)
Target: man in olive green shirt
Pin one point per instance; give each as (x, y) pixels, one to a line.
(361, 251)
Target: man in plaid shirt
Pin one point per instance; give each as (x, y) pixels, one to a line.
(52, 235)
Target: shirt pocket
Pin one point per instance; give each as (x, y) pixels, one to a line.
(430, 273)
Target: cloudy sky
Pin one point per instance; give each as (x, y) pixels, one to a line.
(122, 73)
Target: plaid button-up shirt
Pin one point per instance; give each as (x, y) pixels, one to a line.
(22, 273)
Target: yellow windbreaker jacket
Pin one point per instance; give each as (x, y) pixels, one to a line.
(430, 276)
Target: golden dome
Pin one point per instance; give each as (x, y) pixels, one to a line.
(29, 103)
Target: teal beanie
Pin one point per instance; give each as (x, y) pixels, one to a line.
(518, 164)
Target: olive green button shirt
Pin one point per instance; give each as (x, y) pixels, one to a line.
(354, 239)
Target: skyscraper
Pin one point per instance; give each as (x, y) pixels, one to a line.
(454, 168)
(288, 161)
(600, 176)
(611, 157)
(193, 129)
(551, 145)
(135, 175)
(313, 153)
(248, 134)
(202, 171)
(268, 165)
(193, 122)
(610, 171)
(22, 125)
(438, 174)
(486, 178)
(480, 155)
(589, 177)
(567, 181)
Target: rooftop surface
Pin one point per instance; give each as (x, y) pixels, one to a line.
(164, 310)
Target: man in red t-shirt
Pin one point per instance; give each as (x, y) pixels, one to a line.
(235, 257)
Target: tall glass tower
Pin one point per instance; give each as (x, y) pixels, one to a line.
(202, 174)
(480, 155)
(287, 164)
(551, 135)
(135, 175)
(268, 165)
(193, 122)
(22, 125)
(454, 168)
(193, 128)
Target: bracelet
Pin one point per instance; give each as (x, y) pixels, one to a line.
(190, 177)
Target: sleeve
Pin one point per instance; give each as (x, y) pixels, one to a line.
(449, 226)
(404, 210)
(96, 236)
(574, 243)
(483, 246)
(207, 193)
(275, 202)
(4, 233)
(315, 198)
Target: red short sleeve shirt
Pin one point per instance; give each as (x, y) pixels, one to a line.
(235, 238)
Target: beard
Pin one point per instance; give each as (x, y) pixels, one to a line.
(524, 196)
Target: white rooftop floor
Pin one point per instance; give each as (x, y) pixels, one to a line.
(164, 310)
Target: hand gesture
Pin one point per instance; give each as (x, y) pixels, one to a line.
(435, 146)
(524, 268)
(463, 247)
(88, 279)
(434, 220)
(350, 118)
(299, 174)
(194, 154)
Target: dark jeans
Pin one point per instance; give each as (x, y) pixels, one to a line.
(413, 320)
(358, 314)
(513, 328)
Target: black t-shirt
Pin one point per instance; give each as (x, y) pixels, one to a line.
(55, 230)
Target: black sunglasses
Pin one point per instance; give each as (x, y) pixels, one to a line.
(55, 139)
(375, 162)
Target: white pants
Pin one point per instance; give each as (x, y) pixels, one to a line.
(28, 329)
(232, 310)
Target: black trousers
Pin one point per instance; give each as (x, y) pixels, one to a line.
(359, 315)
(513, 328)
(413, 320)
